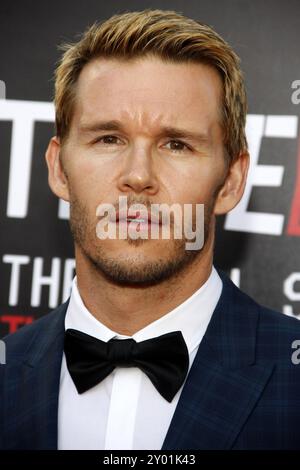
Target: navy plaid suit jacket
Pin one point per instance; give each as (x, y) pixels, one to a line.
(242, 392)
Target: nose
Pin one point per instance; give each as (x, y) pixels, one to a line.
(138, 173)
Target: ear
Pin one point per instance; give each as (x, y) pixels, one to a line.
(57, 178)
(233, 188)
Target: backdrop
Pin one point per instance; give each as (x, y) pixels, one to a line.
(257, 244)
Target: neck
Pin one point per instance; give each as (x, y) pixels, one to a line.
(128, 309)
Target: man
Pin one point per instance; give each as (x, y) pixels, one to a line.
(155, 349)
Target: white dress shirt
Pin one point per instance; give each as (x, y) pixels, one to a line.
(125, 411)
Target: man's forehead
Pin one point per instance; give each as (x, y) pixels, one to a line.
(141, 74)
(127, 91)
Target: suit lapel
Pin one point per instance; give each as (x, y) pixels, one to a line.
(31, 402)
(225, 382)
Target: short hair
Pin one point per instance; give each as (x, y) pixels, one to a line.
(167, 35)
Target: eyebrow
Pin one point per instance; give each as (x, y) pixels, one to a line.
(165, 131)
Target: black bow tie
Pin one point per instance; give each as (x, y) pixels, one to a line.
(165, 360)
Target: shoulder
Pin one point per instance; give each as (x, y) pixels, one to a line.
(275, 332)
(269, 320)
(277, 336)
(19, 341)
(272, 318)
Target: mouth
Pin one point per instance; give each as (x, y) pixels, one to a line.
(146, 220)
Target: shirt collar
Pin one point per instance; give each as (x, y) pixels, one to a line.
(190, 317)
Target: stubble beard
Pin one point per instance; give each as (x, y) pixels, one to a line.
(133, 271)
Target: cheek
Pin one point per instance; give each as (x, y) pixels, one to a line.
(89, 183)
(198, 187)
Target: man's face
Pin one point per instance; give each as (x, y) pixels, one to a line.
(148, 130)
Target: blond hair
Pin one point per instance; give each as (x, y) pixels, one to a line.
(169, 36)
